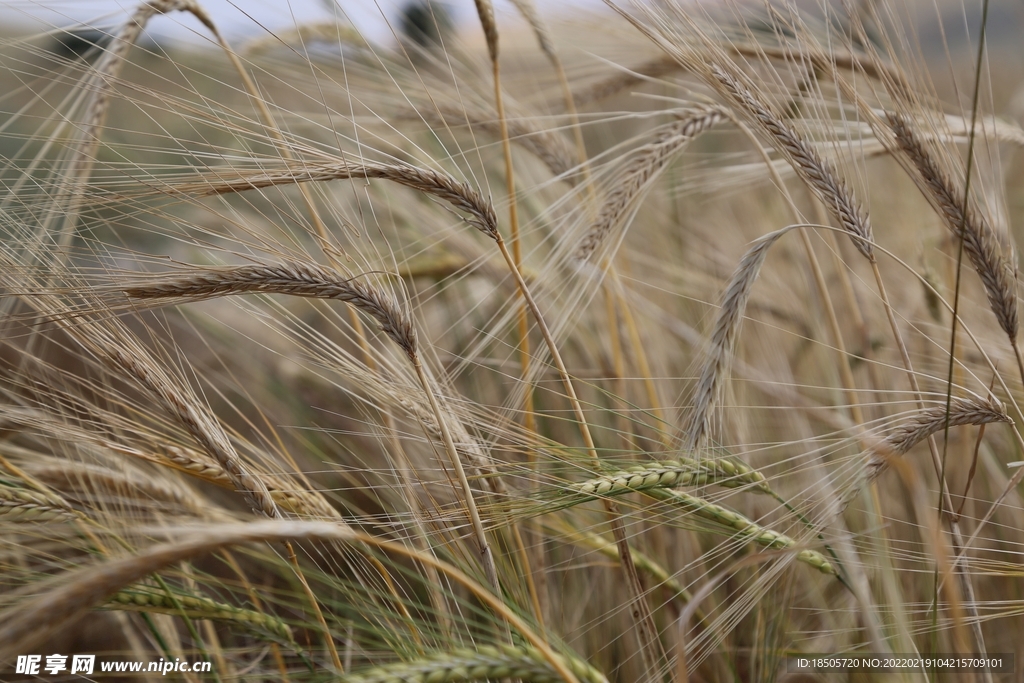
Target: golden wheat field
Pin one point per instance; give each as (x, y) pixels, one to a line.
(664, 342)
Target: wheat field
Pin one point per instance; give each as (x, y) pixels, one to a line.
(670, 342)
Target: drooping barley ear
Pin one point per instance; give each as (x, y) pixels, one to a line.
(988, 254)
(723, 339)
(962, 411)
(297, 279)
(636, 177)
(481, 664)
(828, 186)
(746, 529)
(299, 501)
(186, 408)
(435, 183)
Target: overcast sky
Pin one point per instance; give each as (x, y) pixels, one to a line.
(231, 15)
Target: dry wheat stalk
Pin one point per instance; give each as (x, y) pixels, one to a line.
(650, 70)
(649, 160)
(483, 663)
(435, 183)
(983, 246)
(297, 279)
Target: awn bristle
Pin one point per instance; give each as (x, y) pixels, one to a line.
(981, 243)
(548, 146)
(655, 68)
(659, 67)
(296, 279)
(636, 177)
